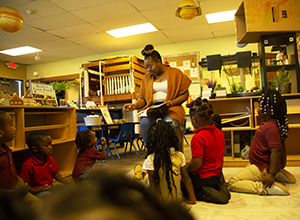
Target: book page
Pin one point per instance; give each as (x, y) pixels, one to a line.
(150, 110)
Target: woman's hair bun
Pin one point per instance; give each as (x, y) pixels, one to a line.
(148, 49)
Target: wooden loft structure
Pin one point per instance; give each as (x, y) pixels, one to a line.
(120, 79)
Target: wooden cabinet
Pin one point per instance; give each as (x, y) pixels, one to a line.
(121, 75)
(240, 121)
(58, 122)
(288, 44)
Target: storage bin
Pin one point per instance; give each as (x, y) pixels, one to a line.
(92, 120)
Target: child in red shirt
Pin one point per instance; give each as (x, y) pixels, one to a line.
(9, 180)
(40, 168)
(207, 146)
(88, 154)
(267, 154)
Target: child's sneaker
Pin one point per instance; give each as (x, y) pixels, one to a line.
(278, 190)
(285, 176)
(139, 174)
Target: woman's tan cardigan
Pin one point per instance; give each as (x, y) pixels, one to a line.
(178, 83)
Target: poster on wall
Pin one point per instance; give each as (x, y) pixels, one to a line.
(186, 62)
(8, 87)
(44, 94)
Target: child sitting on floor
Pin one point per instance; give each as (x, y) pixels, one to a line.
(40, 168)
(88, 154)
(165, 163)
(9, 180)
(267, 153)
(207, 146)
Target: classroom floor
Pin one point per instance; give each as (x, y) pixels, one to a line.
(240, 207)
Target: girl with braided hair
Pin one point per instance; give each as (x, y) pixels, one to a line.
(165, 164)
(88, 154)
(207, 147)
(267, 154)
(162, 84)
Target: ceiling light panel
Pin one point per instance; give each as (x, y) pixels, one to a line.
(20, 51)
(220, 16)
(132, 30)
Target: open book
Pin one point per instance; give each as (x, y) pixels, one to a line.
(151, 110)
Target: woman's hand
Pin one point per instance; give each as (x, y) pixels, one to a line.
(129, 107)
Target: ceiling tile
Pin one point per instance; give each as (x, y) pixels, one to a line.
(57, 21)
(108, 46)
(162, 4)
(76, 30)
(90, 38)
(41, 9)
(65, 29)
(105, 11)
(72, 5)
(155, 38)
(120, 21)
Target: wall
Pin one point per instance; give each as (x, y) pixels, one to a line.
(223, 46)
(19, 73)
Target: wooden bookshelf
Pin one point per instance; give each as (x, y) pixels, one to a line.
(58, 122)
(233, 110)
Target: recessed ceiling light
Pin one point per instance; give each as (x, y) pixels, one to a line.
(20, 51)
(132, 30)
(220, 16)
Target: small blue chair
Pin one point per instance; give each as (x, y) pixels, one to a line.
(140, 139)
(126, 135)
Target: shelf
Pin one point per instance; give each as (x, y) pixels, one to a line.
(61, 141)
(238, 128)
(18, 149)
(45, 127)
(44, 113)
(235, 162)
(277, 67)
(229, 60)
(294, 125)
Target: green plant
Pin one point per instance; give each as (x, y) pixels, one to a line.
(240, 88)
(61, 86)
(281, 80)
(233, 88)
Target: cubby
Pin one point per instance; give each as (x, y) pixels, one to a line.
(240, 121)
(58, 122)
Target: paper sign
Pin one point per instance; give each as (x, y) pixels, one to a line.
(186, 64)
(106, 115)
(193, 73)
(44, 94)
(173, 64)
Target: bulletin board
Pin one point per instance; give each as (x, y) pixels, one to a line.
(186, 62)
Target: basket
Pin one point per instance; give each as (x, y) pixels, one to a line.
(92, 120)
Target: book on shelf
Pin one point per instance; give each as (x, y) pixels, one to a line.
(151, 110)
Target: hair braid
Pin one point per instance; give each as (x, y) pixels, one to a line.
(273, 101)
(200, 108)
(161, 137)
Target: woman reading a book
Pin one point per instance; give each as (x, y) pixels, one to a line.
(161, 84)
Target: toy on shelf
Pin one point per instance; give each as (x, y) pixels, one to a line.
(16, 100)
(28, 100)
